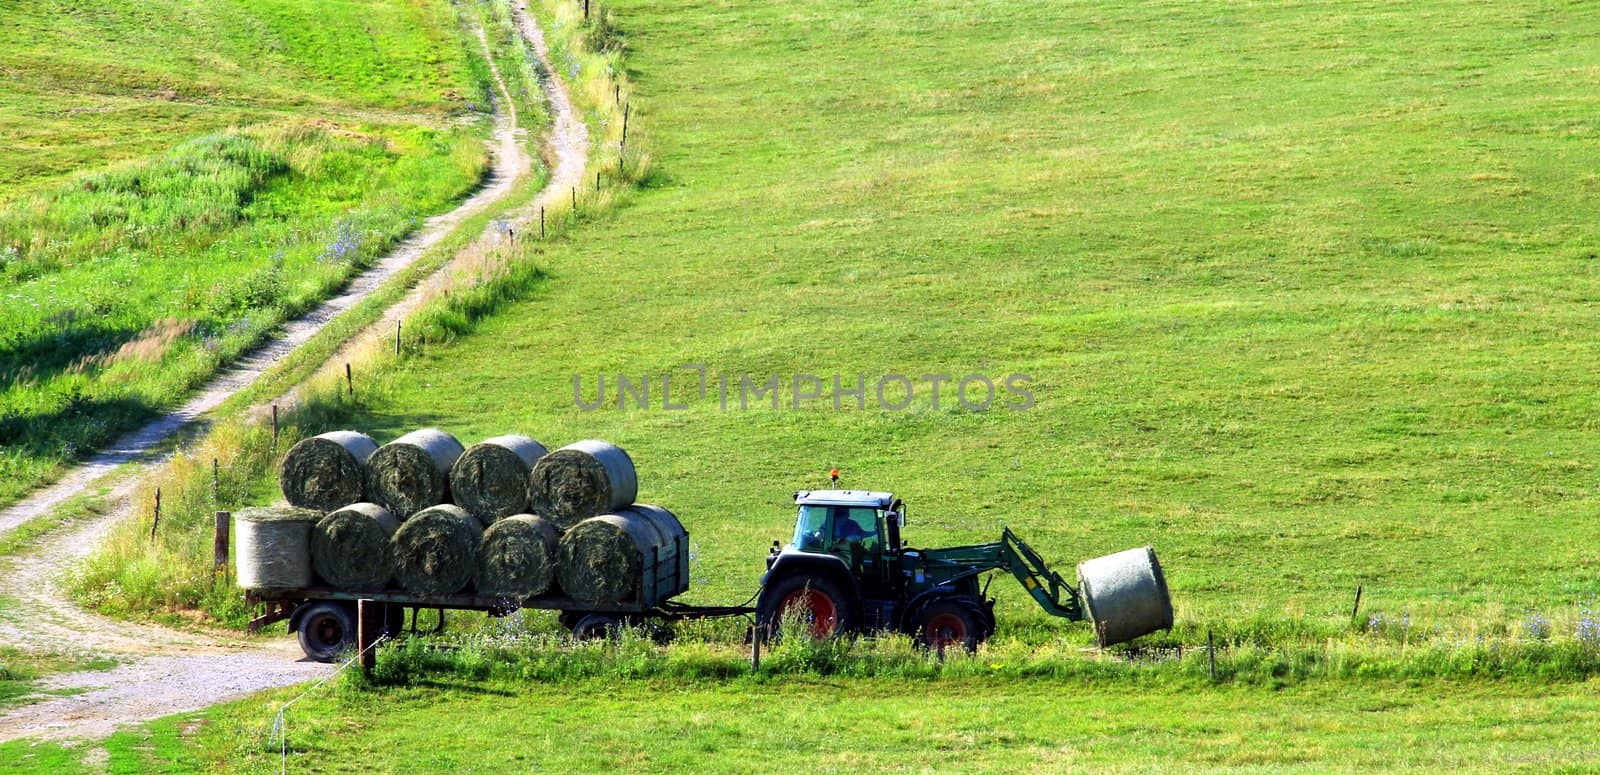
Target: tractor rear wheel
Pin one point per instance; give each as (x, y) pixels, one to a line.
(817, 602)
(952, 621)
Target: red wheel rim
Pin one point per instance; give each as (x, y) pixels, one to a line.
(946, 630)
(814, 607)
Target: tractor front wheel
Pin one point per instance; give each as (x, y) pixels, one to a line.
(951, 622)
(817, 602)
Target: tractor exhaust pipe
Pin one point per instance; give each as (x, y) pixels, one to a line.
(1125, 595)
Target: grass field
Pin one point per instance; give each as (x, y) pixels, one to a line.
(853, 725)
(166, 202)
(1302, 293)
(90, 85)
(1280, 314)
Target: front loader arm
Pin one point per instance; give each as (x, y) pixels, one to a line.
(1049, 590)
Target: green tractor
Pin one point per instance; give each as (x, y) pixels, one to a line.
(848, 570)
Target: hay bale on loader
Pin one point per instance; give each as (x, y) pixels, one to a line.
(327, 471)
(517, 558)
(273, 547)
(490, 479)
(637, 552)
(412, 472)
(436, 550)
(1125, 595)
(350, 547)
(580, 481)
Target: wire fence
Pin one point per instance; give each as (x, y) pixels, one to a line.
(280, 727)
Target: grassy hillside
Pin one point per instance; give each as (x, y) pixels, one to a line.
(91, 84)
(178, 177)
(1301, 290)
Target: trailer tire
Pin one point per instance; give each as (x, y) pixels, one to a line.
(394, 619)
(597, 627)
(816, 598)
(950, 621)
(326, 630)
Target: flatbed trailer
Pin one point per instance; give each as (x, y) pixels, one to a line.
(326, 619)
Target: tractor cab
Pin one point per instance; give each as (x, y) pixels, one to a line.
(860, 528)
(844, 522)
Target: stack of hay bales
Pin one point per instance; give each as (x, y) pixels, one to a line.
(503, 518)
(612, 550)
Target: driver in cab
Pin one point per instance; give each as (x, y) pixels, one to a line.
(847, 531)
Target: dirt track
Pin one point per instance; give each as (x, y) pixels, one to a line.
(162, 670)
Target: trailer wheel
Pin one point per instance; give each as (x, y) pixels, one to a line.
(818, 602)
(394, 619)
(326, 630)
(596, 627)
(949, 622)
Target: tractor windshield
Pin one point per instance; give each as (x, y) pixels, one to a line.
(834, 528)
(810, 531)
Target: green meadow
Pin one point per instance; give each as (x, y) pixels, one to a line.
(852, 725)
(177, 178)
(1301, 293)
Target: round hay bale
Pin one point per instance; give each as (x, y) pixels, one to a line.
(327, 471)
(273, 547)
(1125, 595)
(436, 550)
(517, 558)
(582, 480)
(490, 479)
(350, 547)
(604, 559)
(412, 472)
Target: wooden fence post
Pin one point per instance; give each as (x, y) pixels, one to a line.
(369, 625)
(219, 544)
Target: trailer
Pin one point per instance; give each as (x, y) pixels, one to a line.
(326, 619)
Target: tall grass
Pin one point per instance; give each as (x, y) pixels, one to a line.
(525, 647)
(129, 287)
